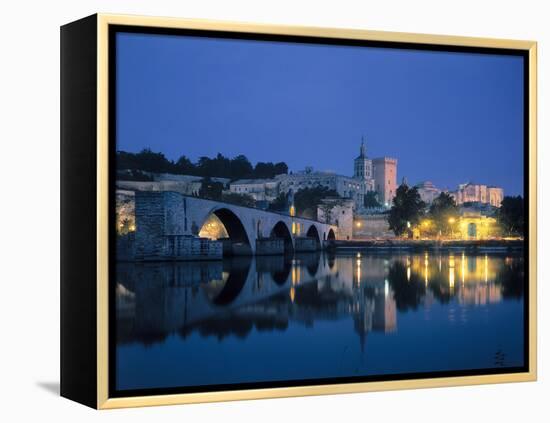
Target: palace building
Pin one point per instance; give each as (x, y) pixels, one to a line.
(345, 186)
(378, 175)
(478, 193)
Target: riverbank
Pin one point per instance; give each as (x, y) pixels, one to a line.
(501, 245)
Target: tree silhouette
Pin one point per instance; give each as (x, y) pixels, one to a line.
(280, 203)
(371, 200)
(511, 215)
(269, 170)
(219, 166)
(444, 212)
(306, 200)
(211, 190)
(146, 160)
(184, 166)
(407, 208)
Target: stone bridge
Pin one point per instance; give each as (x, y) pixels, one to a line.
(168, 224)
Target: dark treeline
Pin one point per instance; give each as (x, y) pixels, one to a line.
(220, 166)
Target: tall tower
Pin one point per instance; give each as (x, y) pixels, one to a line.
(385, 179)
(362, 165)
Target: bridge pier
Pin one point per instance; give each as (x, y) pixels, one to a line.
(306, 244)
(270, 246)
(232, 248)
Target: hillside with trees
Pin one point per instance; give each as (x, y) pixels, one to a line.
(220, 166)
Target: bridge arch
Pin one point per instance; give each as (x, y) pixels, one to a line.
(312, 232)
(280, 230)
(331, 235)
(235, 229)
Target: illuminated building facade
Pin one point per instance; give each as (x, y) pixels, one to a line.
(472, 225)
(477, 193)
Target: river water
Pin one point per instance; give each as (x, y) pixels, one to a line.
(316, 316)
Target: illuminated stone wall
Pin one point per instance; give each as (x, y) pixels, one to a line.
(125, 212)
(372, 226)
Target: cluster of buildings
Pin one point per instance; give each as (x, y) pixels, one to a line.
(477, 206)
(378, 175)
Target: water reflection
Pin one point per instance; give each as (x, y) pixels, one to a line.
(333, 298)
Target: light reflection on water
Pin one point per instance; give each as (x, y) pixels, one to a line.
(316, 316)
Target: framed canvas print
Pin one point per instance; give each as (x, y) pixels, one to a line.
(254, 211)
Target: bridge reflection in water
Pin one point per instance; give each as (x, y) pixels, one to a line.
(315, 315)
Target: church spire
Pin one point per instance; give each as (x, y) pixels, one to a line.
(363, 149)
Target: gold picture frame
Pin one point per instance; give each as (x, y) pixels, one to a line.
(101, 23)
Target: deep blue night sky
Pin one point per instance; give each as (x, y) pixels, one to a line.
(447, 117)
